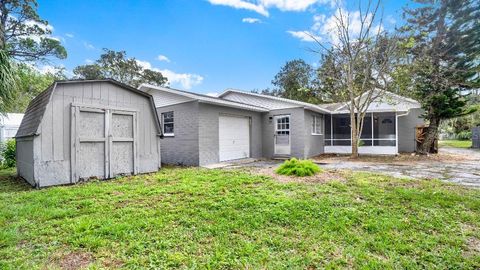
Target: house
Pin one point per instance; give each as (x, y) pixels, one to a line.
(9, 124)
(201, 130)
(81, 129)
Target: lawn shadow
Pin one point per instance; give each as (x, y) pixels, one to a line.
(9, 182)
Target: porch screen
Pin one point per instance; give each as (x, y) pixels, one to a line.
(378, 130)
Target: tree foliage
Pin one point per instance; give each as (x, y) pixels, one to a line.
(8, 83)
(24, 35)
(115, 65)
(443, 59)
(295, 80)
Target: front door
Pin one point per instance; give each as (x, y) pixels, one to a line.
(282, 135)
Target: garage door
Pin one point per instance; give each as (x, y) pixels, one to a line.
(234, 137)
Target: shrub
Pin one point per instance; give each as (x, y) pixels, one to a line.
(8, 154)
(298, 167)
(464, 135)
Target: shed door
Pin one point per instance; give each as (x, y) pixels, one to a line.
(103, 143)
(234, 137)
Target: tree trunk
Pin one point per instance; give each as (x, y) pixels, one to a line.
(354, 135)
(431, 133)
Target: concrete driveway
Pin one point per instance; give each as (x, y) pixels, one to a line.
(455, 165)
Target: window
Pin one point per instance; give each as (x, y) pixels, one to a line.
(317, 125)
(167, 121)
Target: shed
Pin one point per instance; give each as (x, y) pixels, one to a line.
(81, 129)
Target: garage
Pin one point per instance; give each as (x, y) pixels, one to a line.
(234, 137)
(83, 129)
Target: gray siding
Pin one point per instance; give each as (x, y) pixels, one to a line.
(314, 144)
(208, 131)
(406, 130)
(297, 131)
(24, 158)
(163, 99)
(51, 150)
(182, 148)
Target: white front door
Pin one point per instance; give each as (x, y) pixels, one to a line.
(234, 137)
(282, 135)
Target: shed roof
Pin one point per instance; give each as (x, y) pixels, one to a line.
(205, 98)
(36, 108)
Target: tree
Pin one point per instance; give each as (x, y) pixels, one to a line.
(117, 66)
(7, 81)
(30, 83)
(294, 81)
(356, 68)
(24, 35)
(444, 59)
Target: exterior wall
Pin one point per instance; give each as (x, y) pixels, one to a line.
(208, 131)
(24, 159)
(182, 148)
(314, 144)
(297, 131)
(163, 99)
(52, 147)
(406, 130)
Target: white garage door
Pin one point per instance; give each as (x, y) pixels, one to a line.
(234, 137)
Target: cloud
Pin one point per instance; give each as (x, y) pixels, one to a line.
(163, 58)
(184, 80)
(251, 20)
(325, 27)
(88, 46)
(89, 61)
(239, 4)
(69, 35)
(213, 94)
(306, 36)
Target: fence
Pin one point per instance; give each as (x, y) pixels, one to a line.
(476, 137)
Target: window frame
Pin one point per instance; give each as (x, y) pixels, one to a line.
(315, 119)
(170, 122)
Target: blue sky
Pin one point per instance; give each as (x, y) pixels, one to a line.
(203, 46)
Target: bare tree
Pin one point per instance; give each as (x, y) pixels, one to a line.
(357, 62)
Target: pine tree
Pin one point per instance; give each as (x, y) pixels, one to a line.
(445, 58)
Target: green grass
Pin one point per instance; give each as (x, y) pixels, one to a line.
(455, 143)
(214, 219)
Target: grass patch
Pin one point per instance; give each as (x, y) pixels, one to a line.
(298, 167)
(455, 143)
(218, 219)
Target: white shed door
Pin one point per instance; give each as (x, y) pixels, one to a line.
(234, 137)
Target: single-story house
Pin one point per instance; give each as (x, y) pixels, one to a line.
(201, 130)
(9, 124)
(81, 129)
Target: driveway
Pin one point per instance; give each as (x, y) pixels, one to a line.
(461, 166)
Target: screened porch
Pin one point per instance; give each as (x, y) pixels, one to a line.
(379, 134)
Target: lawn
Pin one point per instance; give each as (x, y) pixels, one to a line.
(217, 219)
(455, 143)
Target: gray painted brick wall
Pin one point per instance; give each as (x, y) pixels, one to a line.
(208, 131)
(182, 148)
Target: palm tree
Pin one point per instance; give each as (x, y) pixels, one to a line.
(7, 81)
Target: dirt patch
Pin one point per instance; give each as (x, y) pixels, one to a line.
(473, 246)
(321, 177)
(71, 261)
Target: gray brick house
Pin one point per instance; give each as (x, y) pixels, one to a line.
(201, 129)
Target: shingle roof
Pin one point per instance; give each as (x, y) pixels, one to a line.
(205, 98)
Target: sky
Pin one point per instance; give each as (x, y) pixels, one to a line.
(204, 46)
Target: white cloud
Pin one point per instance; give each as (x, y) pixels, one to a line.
(69, 35)
(89, 61)
(240, 4)
(45, 27)
(306, 36)
(213, 94)
(251, 20)
(163, 58)
(88, 46)
(184, 80)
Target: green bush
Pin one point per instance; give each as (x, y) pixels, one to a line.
(464, 135)
(298, 167)
(8, 154)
